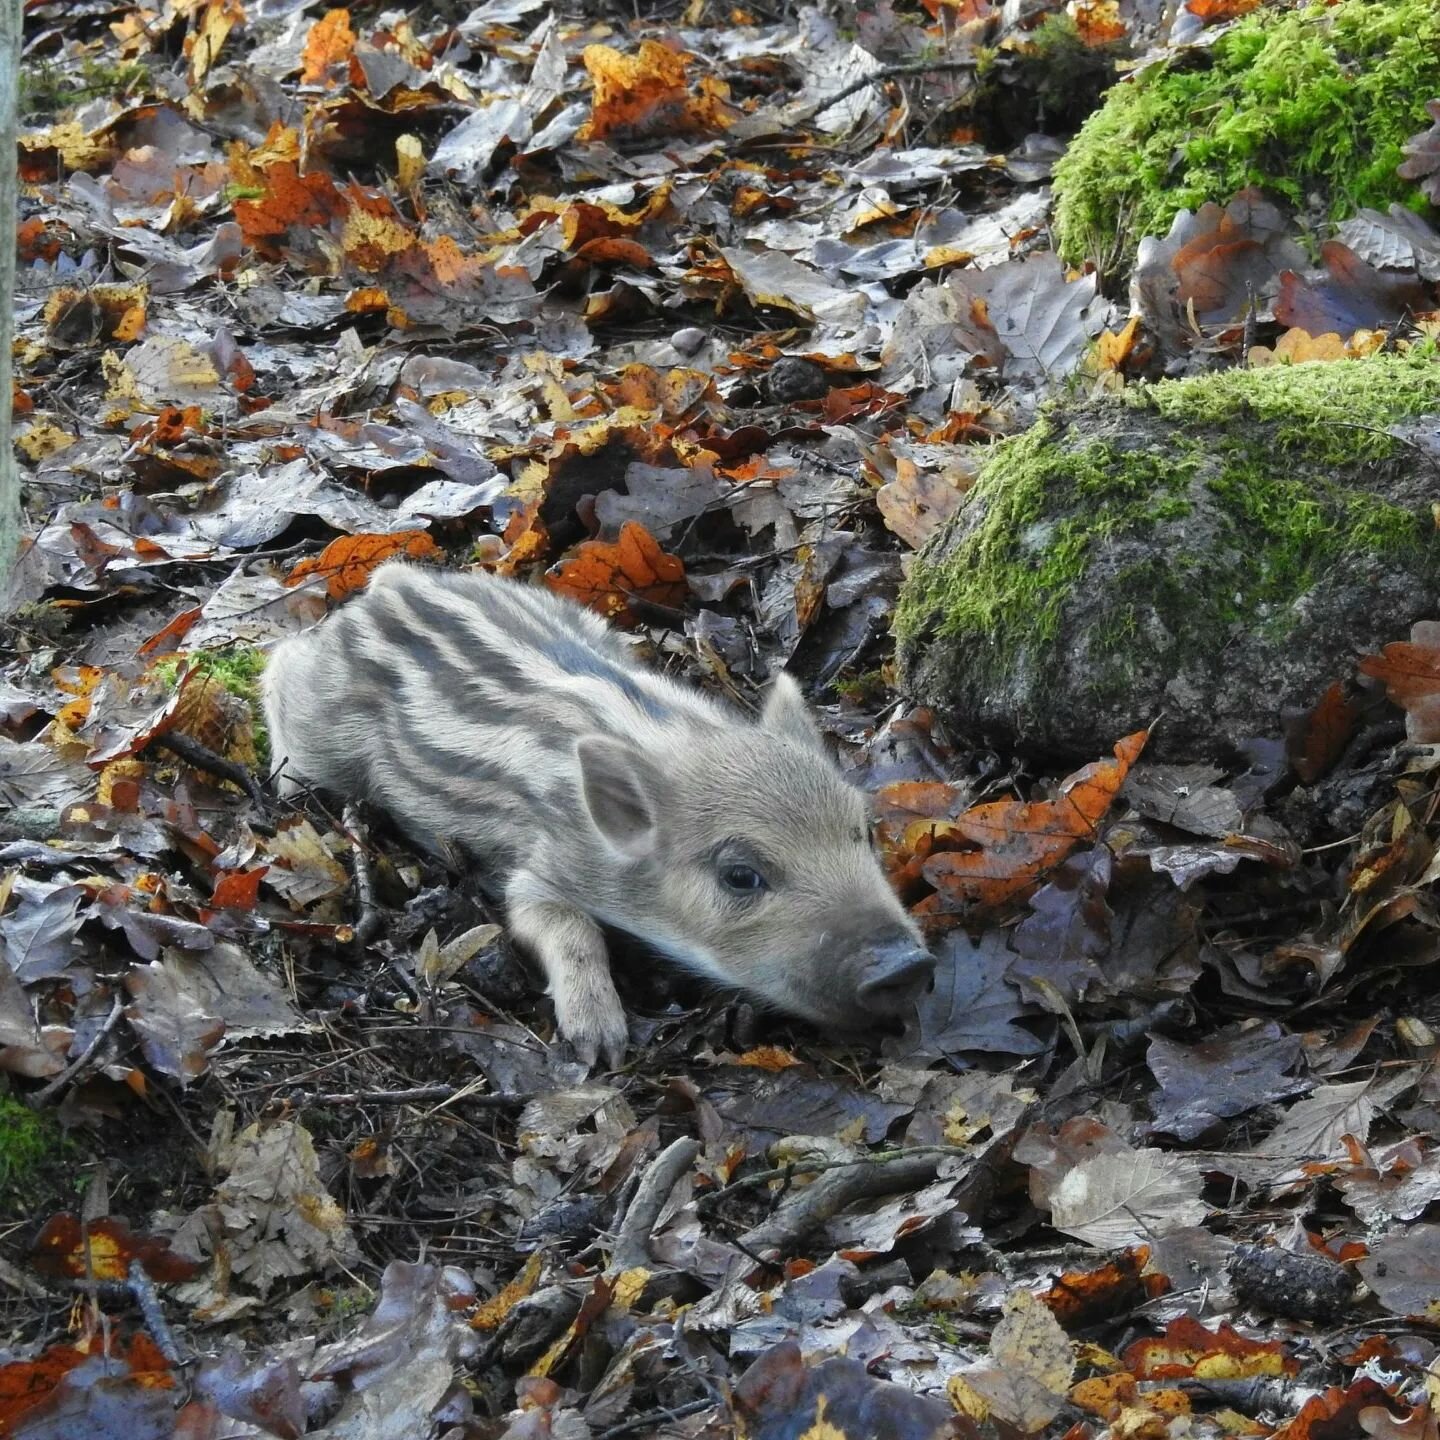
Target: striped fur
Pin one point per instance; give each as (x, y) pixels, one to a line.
(512, 726)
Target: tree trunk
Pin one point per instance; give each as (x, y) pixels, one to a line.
(10, 25)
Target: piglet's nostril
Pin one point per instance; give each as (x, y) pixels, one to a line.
(896, 973)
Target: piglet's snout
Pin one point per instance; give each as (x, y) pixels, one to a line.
(897, 972)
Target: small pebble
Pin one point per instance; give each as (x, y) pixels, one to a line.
(688, 340)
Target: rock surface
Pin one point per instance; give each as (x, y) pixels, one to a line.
(1201, 552)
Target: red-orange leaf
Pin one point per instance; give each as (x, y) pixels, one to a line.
(607, 575)
(346, 563)
(1020, 841)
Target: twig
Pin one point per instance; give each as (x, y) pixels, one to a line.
(419, 1094)
(810, 1208)
(790, 1169)
(43, 1097)
(632, 1243)
(201, 757)
(885, 72)
(140, 1286)
(656, 1417)
(369, 921)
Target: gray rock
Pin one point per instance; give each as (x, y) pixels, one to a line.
(1200, 553)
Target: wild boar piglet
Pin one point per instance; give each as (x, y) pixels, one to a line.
(512, 726)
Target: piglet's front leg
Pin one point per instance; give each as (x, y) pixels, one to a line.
(571, 950)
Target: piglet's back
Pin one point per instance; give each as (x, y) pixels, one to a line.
(454, 701)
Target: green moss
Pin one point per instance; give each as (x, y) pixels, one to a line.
(1267, 448)
(238, 668)
(1319, 99)
(49, 88)
(31, 1146)
(869, 685)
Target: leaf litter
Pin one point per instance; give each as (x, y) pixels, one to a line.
(708, 321)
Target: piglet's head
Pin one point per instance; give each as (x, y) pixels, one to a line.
(739, 850)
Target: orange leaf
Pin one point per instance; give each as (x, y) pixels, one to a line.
(306, 202)
(331, 41)
(614, 250)
(1113, 350)
(104, 1249)
(649, 94)
(768, 1057)
(1098, 21)
(1214, 11)
(1318, 740)
(1411, 672)
(346, 563)
(1021, 840)
(238, 889)
(1188, 1348)
(605, 575)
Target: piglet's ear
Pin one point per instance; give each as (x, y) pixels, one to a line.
(622, 794)
(787, 716)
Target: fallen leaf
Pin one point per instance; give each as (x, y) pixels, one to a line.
(346, 564)
(1422, 156)
(1411, 674)
(1019, 841)
(608, 575)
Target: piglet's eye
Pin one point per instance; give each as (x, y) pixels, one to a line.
(742, 879)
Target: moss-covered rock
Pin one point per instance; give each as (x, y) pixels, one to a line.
(1313, 101)
(1208, 549)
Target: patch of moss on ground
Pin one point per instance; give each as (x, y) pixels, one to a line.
(1319, 99)
(1275, 451)
(34, 1159)
(49, 88)
(238, 668)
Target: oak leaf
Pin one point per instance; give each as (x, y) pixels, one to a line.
(606, 575)
(346, 564)
(1020, 841)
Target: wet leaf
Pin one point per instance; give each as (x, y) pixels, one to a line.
(1228, 1075)
(1349, 296)
(970, 1007)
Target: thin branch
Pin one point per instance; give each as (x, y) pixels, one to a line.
(652, 1418)
(808, 1209)
(201, 757)
(632, 1244)
(417, 1095)
(885, 72)
(369, 921)
(43, 1097)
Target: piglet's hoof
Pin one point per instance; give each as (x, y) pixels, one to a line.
(595, 1027)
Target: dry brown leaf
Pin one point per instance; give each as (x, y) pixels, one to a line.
(1019, 841)
(347, 563)
(606, 575)
(330, 44)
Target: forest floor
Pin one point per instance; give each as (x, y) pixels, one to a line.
(706, 318)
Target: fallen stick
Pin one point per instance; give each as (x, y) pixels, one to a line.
(808, 1209)
(632, 1242)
